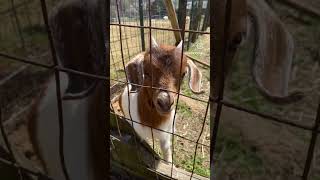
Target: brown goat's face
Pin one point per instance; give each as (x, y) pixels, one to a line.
(162, 70)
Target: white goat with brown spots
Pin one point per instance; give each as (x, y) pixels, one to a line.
(154, 108)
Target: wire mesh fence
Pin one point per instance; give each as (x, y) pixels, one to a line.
(132, 25)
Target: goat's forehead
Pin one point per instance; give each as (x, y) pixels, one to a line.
(167, 60)
(171, 65)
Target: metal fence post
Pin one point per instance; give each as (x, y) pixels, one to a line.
(141, 24)
(182, 12)
(312, 146)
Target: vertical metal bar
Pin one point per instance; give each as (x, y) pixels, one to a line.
(182, 13)
(206, 20)
(141, 24)
(138, 43)
(198, 19)
(135, 31)
(105, 126)
(150, 48)
(182, 32)
(127, 35)
(129, 102)
(191, 22)
(58, 90)
(312, 145)
(195, 19)
(154, 157)
(220, 68)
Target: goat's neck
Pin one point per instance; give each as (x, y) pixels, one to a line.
(148, 113)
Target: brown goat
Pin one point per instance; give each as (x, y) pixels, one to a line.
(159, 68)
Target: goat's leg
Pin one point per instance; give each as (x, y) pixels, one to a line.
(166, 148)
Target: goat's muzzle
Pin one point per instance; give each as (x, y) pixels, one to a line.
(164, 102)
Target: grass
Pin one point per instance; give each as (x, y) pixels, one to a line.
(33, 41)
(183, 149)
(185, 88)
(199, 50)
(236, 158)
(198, 167)
(184, 109)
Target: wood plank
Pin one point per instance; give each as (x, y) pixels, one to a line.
(177, 173)
(173, 19)
(21, 159)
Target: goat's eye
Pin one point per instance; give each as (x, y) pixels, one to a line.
(183, 75)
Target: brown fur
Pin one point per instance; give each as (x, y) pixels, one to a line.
(148, 113)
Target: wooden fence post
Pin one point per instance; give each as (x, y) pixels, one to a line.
(173, 19)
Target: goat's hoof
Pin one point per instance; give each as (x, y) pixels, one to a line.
(168, 161)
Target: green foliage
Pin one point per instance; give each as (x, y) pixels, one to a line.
(184, 109)
(236, 154)
(198, 166)
(185, 88)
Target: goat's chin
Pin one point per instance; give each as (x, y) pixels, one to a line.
(163, 112)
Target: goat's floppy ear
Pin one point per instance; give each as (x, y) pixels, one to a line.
(273, 54)
(134, 72)
(195, 77)
(80, 45)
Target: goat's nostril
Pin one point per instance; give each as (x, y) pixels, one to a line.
(160, 103)
(163, 101)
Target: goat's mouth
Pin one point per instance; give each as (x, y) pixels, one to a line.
(164, 110)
